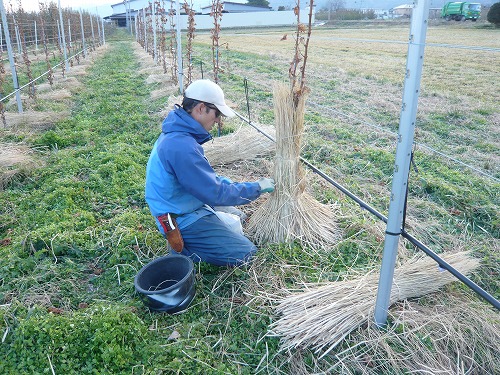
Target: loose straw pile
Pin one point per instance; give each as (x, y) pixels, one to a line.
(13, 159)
(321, 318)
(244, 144)
(290, 213)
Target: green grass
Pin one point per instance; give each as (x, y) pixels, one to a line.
(76, 230)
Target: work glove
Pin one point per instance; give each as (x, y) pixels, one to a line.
(266, 185)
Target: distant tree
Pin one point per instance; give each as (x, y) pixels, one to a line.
(493, 15)
(281, 8)
(334, 6)
(258, 3)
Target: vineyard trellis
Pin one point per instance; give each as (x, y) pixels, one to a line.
(320, 108)
(62, 42)
(216, 13)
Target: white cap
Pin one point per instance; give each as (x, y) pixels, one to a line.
(207, 91)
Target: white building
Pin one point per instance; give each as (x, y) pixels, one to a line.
(235, 14)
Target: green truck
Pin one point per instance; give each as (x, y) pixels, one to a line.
(461, 11)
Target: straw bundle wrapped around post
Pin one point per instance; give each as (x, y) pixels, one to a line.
(290, 213)
(321, 318)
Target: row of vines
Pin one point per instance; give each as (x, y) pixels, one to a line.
(155, 30)
(35, 44)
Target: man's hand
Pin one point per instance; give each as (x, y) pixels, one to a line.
(266, 185)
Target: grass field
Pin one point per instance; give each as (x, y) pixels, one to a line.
(74, 227)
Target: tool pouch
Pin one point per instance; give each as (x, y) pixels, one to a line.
(172, 232)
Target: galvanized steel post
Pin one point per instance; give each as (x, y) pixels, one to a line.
(179, 46)
(103, 35)
(62, 35)
(153, 24)
(11, 57)
(83, 35)
(414, 62)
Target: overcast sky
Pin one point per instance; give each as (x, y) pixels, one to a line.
(90, 5)
(103, 7)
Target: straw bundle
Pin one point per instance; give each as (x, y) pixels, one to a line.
(243, 144)
(321, 318)
(290, 213)
(451, 333)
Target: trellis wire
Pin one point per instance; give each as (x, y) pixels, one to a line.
(403, 233)
(60, 39)
(444, 45)
(37, 78)
(382, 129)
(442, 263)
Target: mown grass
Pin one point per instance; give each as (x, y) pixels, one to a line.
(356, 80)
(76, 231)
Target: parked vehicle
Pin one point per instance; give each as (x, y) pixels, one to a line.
(461, 11)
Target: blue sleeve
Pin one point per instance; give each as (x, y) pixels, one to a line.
(197, 177)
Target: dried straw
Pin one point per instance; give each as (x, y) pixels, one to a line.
(451, 333)
(321, 318)
(31, 120)
(14, 159)
(243, 144)
(56, 95)
(14, 154)
(290, 213)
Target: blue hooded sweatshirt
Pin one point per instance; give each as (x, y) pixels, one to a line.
(180, 180)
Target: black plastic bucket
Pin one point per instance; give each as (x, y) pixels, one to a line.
(167, 283)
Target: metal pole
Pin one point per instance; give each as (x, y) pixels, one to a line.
(36, 39)
(92, 28)
(153, 23)
(11, 58)
(83, 35)
(127, 20)
(179, 46)
(69, 32)
(62, 35)
(58, 33)
(98, 29)
(127, 9)
(18, 39)
(145, 30)
(103, 36)
(136, 24)
(414, 62)
(126, 13)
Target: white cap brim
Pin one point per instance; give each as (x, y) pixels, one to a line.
(225, 110)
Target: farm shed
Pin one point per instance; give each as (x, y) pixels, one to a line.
(402, 10)
(246, 16)
(119, 15)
